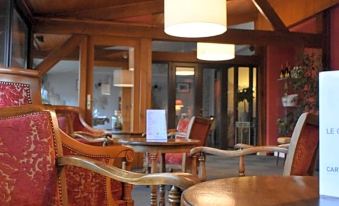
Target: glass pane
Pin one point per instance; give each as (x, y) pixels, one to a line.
(60, 86)
(208, 101)
(113, 88)
(244, 93)
(19, 41)
(4, 12)
(184, 103)
(160, 86)
(230, 105)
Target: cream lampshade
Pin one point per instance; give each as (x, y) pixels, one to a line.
(195, 18)
(215, 52)
(123, 78)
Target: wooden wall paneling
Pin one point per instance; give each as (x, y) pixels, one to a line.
(126, 106)
(235, 36)
(58, 53)
(82, 83)
(146, 80)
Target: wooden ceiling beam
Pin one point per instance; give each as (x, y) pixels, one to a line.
(58, 53)
(235, 36)
(191, 57)
(117, 11)
(265, 8)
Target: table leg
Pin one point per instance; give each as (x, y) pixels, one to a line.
(162, 187)
(153, 158)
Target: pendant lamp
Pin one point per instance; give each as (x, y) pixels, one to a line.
(215, 52)
(195, 18)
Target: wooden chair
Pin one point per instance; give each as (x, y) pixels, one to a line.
(198, 129)
(301, 153)
(21, 87)
(33, 163)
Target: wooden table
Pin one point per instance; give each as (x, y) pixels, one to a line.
(257, 191)
(154, 148)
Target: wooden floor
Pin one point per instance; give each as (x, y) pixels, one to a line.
(221, 168)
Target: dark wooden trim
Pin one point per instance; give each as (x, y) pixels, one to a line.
(236, 36)
(171, 95)
(191, 57)
(270, 14)
(261, 96)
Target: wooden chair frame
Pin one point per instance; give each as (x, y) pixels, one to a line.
(304, 119)
(180, 181)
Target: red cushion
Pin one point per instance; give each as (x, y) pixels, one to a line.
(173, 158)
(89, 188)
(27, 161)
(14, 94)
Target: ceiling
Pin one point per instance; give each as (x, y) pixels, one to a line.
(131, 15)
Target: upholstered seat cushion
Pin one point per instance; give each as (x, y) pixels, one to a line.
(27, 161)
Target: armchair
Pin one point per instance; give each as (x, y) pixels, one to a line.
(20, 87)
(198, 129)
(301, 153)
(33, 164)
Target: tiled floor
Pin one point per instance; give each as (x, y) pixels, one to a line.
(220, 168)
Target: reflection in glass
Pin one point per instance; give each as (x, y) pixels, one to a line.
(113, 88)
(60, 86)
(184, 92)
(19, 41)
(159, 86)
(4, 11)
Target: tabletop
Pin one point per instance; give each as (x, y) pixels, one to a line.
(258, 190)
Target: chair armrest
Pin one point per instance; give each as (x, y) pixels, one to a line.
(237, 153)
(112, 151)
(181, 180)
(242, 146)
(91, 139)
(284, 145)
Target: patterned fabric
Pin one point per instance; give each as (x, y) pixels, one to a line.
(14, 94)
(173, 158)
(77, 126)
(303, 161)
(88, 188)
(27, 161)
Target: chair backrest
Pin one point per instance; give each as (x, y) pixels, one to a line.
(303, 147)
(29, 146)
(19, 87)
(199, 129)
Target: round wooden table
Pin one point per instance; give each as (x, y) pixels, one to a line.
(154, 148)
(257, 191)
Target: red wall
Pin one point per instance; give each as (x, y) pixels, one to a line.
(276, 56)
(280, 55)
(334, 64)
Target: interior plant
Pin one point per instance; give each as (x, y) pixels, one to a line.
(304, 81)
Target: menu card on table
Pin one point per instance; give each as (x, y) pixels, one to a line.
(329, 133)
(156, 127)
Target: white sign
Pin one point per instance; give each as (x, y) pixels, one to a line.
(329, 133)
(156, 127)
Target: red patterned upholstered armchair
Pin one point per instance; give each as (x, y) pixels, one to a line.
(20, 87)
(34, 164)
(198, 128)
(301, 153)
